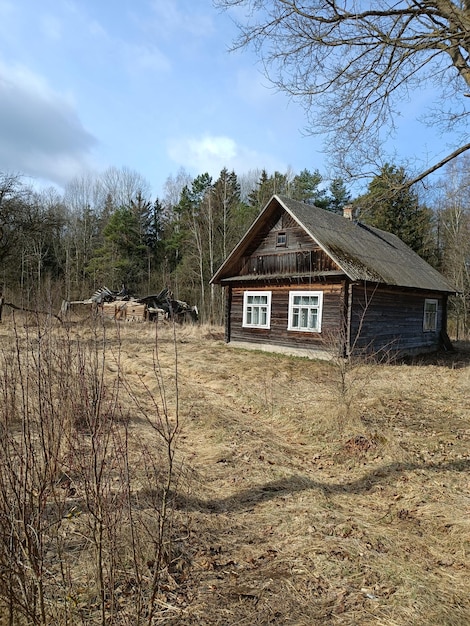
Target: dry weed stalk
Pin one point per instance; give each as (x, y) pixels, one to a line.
(164, 423)
(353, 363)
(75, 536)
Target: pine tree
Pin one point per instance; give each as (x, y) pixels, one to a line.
(266, 187)
(122, 257)
(198, 233)
(391, 205)
(338, 196)
(226, 194)
(305, 187)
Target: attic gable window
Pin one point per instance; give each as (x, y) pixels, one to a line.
(430, 315)
(257, 309)
(305, 311)
(281, 240)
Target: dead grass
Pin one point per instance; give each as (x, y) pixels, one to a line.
(291, 519)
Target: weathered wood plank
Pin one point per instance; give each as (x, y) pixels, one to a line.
(392, 318)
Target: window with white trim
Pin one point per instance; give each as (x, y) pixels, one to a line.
(430, 315)
(305, 311)
(257, 309)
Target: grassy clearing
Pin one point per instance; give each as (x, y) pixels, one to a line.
(284, 515)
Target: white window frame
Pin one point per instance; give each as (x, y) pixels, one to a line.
(249, 306)
(318, 307)
(429, 315)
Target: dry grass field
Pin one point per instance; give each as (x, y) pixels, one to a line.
(304, 492)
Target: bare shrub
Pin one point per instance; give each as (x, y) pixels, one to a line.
(77, 539)
(353, 365)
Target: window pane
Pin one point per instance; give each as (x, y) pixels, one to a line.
(305, 311)
(430, 315)
(256, 309)
(313, 318)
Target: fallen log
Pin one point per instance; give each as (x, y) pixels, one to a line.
(35, 311)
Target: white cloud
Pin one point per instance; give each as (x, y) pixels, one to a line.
(211, 153)
(147, 58)
(171, 19)
(96, 30)
(51, 27)
(42, 135)
(253, 87)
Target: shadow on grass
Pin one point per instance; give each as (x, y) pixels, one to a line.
(247, 498)
(457, 358)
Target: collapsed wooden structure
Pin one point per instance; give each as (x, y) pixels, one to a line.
(121, 306)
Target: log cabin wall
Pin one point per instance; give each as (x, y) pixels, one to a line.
(277, 334)
(387, 319)
(279, 255)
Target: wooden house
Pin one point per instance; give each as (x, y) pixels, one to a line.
(308, 281)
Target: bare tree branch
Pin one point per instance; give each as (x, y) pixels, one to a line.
(353, 65)
(440, 164)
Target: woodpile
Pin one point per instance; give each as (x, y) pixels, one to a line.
(135, 312)
(108, 310)
(124, 311)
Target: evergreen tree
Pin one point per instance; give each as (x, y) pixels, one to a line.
(226, 195)
(305, 187)
(338, 196)
(154, 227)
(391, 205)
(122, 257)
(141, 208)
(266, 187)
(198, 232)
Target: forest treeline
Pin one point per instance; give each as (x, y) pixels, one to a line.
(106, 230)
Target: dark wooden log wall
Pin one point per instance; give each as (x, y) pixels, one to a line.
(388, 319)
(383, 319)
(333, 309)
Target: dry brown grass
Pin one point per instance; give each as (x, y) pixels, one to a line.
(290, 518)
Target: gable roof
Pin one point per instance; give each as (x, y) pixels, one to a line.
(363, 253)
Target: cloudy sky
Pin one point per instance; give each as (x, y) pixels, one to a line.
(144, 84)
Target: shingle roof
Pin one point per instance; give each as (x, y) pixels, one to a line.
(362, 252)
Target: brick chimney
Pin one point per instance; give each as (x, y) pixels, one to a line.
(348, 212)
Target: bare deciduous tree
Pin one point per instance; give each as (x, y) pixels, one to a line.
(353, 64)
(453, 211)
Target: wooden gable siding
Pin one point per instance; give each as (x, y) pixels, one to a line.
(333, 314)
(300, 255)
(287, 262)
(389, 319)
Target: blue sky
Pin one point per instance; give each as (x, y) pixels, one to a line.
(144, 84)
